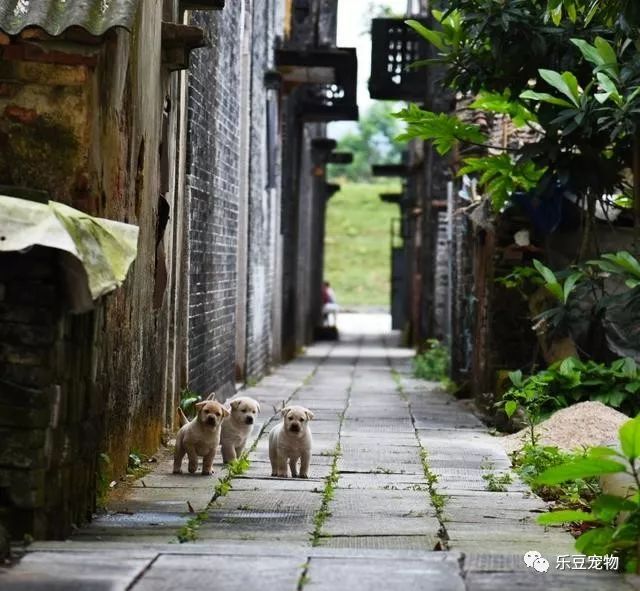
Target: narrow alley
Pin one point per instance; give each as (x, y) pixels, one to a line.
(395, 499)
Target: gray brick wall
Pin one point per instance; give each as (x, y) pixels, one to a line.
(212, 190)
(264, 195)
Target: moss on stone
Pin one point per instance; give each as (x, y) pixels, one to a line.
(42, 154)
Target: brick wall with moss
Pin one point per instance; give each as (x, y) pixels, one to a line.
(50, 419)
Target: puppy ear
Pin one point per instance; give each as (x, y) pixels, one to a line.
(285, 411)
(234, 404)
(200, 404)
(225, 411)
(309, 414)
(211, 396)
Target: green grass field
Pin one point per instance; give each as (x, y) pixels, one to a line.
(357, 245)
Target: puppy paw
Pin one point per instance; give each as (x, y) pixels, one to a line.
(304, 476)
(177, 470)
(207, 472)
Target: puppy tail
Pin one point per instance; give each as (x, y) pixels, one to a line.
(182, 418)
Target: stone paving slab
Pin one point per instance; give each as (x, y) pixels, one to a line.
(380, 503)
(379, 460)
(381, 525)
(257, 483)
(276, 500)
(368, 481)
(435, 572)
(370, 440)
(163, 500)
(147, 526)
(426, 543)
(380, 467)
(281, 514)
(497, 501)
(89, 570)
(534, 581)
(218, 572)
(355, 426)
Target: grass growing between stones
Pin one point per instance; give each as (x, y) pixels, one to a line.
(437, 500)
(304, 578)
(495, 482)
(327, 496)
(189, 531)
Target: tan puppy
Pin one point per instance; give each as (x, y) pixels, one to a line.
(291, 441)
(237, 428)
(200, 437)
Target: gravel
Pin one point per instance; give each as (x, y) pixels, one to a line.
(582, 425)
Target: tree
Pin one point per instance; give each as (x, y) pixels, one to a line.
(584, 101)
(373, 143)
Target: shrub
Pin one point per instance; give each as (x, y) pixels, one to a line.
(533, 460)
(616, 518)
(433, 363)
(570, 381)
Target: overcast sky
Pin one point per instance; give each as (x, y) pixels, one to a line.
(353, 31)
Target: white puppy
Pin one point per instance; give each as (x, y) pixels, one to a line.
(237, 428)
(291, 441)
(200, 437)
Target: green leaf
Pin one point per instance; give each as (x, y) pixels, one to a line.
(545, 97)
(551, 282)
(566, 83)
(568, 366)
(595, 542)
(565, 516)
(547, 274)
(629, 435)
(580, 468)
(607, 53)
(590, 53)
(570, 284)
(495, 102)
(434, 37)
(610, 90)
(516, 378)
(607, 507)
(601, 451)
(510, 407)
(186, 403)
(445, 131)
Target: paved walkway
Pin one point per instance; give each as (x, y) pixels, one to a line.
(396, 499)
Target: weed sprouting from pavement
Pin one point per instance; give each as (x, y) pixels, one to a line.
(437, 500)
(189, 531)
(495, 482)
(327, 496)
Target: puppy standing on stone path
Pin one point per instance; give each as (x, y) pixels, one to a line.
(290, 441)
(237, 428)
(200, 437)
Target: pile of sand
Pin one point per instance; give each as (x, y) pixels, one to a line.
(582, 425)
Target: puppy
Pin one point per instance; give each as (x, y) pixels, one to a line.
(200, 437)
(291, 441)
(237, 428)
